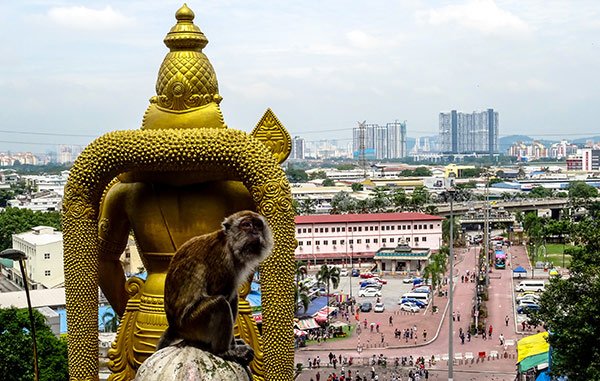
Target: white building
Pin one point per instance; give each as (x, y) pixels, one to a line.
(346, 237)
(44, 248)
(40, 202)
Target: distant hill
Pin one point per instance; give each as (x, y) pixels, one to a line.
(583, 140)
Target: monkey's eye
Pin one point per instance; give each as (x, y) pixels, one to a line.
(246, 224)
(258, 224)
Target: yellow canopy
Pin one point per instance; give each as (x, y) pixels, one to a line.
(532, 345)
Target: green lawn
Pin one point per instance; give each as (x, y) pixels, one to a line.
(554, 253)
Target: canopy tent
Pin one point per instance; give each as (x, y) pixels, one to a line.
(519, 272)
(323, 313)
(338, 324)
(532, 351)
(314, 306)
(309, 323)
(299, 332)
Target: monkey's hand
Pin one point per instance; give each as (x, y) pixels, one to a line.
(241, 353)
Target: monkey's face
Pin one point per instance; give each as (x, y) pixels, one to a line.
(249, 235)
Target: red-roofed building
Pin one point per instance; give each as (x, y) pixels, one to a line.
(344, 237)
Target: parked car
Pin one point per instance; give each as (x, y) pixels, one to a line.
(369, 291)
(410, 307)
(343, 272)
(379, 280)
(366, 307)
(355, 272)
(379, 307)
(526, 296)
(367, 274)
(409, 279)
(417, 302)
(371, 284)
(425, 289)
(523, 309)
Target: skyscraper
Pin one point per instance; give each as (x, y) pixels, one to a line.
(297, 148)
(380, 142)
(469, 133)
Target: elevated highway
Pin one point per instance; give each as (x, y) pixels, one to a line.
(461, 208)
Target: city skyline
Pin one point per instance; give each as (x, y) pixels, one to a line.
(75, 70)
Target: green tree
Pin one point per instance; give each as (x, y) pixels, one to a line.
(14, 221)
(296, 175)
(301, 291)
(470, 172)
(570, 310)
(342, 202)
(580, 193)
(422, 172)
(540, 192)
(328, 182)
(436, 269)
(306, 206)
(317, 175)
(16, 354)
(455, 230)
(380, 201)
(345, 167)
(110, 321)
(534, 227)
(419, 197)
(329, 275)
(356, 187)
(399, 199)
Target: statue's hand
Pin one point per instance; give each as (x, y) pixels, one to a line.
(241, 353)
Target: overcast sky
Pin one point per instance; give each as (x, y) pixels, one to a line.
(83, 68)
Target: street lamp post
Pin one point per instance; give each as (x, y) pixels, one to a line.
(18, 255)
(451, 192)
(350, 272)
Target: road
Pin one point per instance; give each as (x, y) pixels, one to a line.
(435, 344)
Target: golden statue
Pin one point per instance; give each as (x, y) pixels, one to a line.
(176, 177)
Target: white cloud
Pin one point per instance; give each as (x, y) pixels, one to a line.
(362, 40)
(79, 17)
(482, 15)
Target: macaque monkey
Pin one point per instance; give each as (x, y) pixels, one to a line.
(201, 286)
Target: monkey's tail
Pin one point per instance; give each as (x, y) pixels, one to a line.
(166, 339)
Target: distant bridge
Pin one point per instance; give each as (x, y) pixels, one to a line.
(460, 208)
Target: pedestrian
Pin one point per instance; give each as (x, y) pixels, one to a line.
(382, 338)
(462, 337)
(490, 331)
(318, 376)
(453, 316)
(501, 337)
(506, 319)
(365, 322)
(391, 320)
(483, 335)
(469, 335)
(426, 374)
(424, 335)
(377, 327)
(458, 316)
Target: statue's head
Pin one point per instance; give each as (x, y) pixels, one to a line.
(187, 92)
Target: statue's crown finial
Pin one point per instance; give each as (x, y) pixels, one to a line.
(185, 35)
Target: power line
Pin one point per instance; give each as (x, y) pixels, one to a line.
(48, 134)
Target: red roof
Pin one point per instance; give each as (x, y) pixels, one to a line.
(371, 217)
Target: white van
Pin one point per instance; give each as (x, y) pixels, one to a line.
(531, 285)
(421, 296)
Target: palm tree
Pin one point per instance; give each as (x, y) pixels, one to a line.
(329, 275)
(301, 296)
(436, 269)
(111, 321)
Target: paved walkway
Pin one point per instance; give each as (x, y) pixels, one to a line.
(435, 344)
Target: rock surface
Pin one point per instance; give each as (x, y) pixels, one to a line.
(188, 363)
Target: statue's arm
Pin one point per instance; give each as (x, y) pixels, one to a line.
(113, 233)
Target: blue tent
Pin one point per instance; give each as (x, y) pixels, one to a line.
(520, 270)
(314, 306)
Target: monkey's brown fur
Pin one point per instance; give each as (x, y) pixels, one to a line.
(202, 281)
